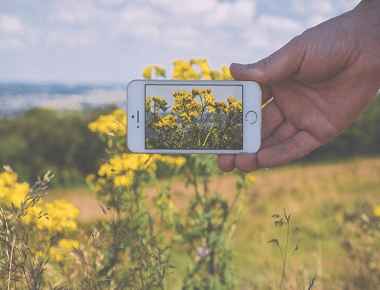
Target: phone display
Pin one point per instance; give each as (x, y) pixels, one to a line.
(193, 116)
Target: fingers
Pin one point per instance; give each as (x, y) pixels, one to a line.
(271, 120)
(291, 149)
(272, 69)
(226, 162)
(280, 135)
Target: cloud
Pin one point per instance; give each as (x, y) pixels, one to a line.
(184, 37)
(279, 23)
(316, 19)
(11, 24)
(323, 6)
(186, 7)
(9, 42)
(235, 14)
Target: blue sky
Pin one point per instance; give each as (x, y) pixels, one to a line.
(111, 41)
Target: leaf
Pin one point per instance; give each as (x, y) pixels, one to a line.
(311, 283)
(104, 211)
(274, 241)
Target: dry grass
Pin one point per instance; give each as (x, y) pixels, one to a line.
(316, 195)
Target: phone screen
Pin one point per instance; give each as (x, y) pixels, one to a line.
(193, 117)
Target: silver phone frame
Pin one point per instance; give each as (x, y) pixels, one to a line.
(251, 100)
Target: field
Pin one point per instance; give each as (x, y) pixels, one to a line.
(316, 195)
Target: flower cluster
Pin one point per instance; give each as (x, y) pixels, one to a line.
(62, 250)
(12, 192)
(234, 106)
(115, 123)
(121, 169)
(61, 214)
(201, 122)
(187, 106)
(184, 70)
(160, 71)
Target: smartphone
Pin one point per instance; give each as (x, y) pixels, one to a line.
(187, 117)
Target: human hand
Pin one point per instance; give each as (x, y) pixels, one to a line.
(320, 81)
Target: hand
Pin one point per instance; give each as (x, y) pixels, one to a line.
(321, 81)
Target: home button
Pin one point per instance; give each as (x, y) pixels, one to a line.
(251, 117)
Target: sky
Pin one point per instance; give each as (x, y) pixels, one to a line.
(112, 41)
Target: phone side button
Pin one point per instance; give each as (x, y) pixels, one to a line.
(251, 117)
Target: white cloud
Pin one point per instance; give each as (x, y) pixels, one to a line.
(316, 19)
(323, 6)
(68, 38)
(76, 12)
(11, 24)
(279, 23)
(111, 2)
(299, 6)
(186, 7)
(239, 13)
(183, 37)
(137, 15)
(11, 43)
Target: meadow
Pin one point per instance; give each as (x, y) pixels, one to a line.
(317, 196)
(139, 221)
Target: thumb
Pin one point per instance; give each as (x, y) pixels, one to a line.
(272, 69)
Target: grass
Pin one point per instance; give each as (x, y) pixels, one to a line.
(316, 195)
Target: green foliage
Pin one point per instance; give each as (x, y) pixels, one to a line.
(42, 139)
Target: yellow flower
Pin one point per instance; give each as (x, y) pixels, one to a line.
(115, 123)
(226, 73)
(250, 178)
(61, 216)
(160, 201)
(65, 246)
(376, 210)
(148, 102)
(125, 180)
(183, 70)
(90, 178)
(147, 72)
(178, 161)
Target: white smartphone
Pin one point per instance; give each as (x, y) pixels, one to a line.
(213, 117)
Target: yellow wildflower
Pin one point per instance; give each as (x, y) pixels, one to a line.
(65, 246)
(376, 210)
(61, 216)
(250, 178)
(226, 73)
(160, 201)
(147, 72)
(113, 123)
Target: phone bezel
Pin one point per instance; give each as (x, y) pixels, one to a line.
(251, 100)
